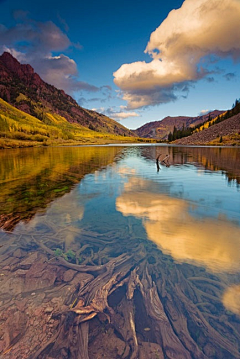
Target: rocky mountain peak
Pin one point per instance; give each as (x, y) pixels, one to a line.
(23, 88)
(9, 61)
(23, 72)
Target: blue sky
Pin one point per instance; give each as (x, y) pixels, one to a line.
(135, 61)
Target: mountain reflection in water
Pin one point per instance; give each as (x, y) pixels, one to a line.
(103, 256)
(31, 179)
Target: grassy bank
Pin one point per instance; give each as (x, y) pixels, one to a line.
(18, 129)
(99, 140)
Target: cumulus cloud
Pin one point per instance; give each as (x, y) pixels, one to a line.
(179, 48)
(120, 114)
(117, 113)
(124, 115)
(62, 72)
(32, 37)
(17, 54)
(37, 43)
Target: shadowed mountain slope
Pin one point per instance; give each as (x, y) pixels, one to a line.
(21, 87)
(161, 129)
(226, 132)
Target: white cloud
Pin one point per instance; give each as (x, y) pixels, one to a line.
(117, 114)
(178, 46)
(99, 110)
(124, 115)
(34, 37)
(35, 42)
(62, 72)
(204, 112)
(17, 54)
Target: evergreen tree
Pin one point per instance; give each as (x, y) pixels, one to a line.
(170, 137)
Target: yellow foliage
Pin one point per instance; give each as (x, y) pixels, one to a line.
(21, 97)
(211, 122)
(19, 129)
(55, 118)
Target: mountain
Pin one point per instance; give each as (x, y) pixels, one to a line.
(226, 132)
(161, 129)
(21, 87)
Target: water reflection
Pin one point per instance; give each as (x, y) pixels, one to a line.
(211, 159)
(118, 260)
(231, 299)
(31, 179)
(168, 222)
(61, 219)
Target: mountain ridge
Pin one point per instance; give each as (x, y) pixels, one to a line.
(160, 129)
(21, 87)
(225, 133)
(62, 118)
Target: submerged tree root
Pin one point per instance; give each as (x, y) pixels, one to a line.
(137, 305)
(168, 320)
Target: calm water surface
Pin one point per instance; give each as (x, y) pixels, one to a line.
(185, 217)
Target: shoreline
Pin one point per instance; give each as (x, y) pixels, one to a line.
(11, 144)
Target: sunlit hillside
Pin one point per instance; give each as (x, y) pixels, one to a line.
(24, 89)
(19, 129)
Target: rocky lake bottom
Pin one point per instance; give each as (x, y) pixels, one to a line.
(105, 253)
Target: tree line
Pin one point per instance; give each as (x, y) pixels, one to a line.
(188, 131)
(185, 131)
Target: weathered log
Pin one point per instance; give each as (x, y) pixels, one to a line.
(173, 305)
(174, 310)
(200, 322)
(171, 344)
(127, 329)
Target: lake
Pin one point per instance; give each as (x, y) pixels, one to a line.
(107, 253)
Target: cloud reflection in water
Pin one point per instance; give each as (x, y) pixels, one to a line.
(231, 299)
(209, 242)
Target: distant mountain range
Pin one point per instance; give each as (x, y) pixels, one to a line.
(34, 113)
(160, 129)
(21, 87)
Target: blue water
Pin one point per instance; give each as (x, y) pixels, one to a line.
(187, 214)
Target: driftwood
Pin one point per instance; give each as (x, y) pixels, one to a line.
(165, 335)
(164, 161)
(140, 299)
(157, 162)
